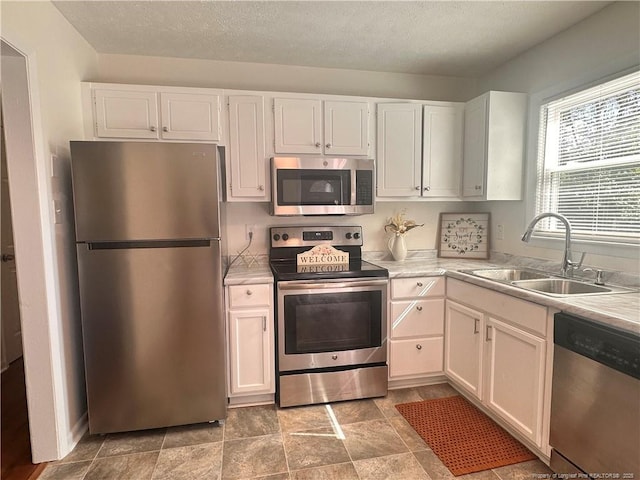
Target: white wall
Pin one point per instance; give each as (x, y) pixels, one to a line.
(58, 59)
(601, 45)
(279, 78)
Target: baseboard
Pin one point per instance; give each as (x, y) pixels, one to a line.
(75, 435)
(396, 384)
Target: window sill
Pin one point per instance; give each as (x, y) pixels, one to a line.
(595, 247)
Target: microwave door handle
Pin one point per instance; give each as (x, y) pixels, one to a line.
(354, 185)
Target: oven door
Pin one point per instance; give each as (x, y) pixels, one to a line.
(331, 323)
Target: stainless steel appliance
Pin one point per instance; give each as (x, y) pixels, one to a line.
(595, 400)
(322, 186)
(331, 319)
(150, 271)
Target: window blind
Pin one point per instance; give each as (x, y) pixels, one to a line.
(589, 160)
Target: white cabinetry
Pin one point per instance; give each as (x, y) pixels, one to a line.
(495, 349)
(419, 150)
(158, 113)
(248, 164)
(300, 122)
(250, 340)
(494, 135)
(416, 328)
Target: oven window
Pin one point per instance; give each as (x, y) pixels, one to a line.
(332, 322)
(313, 187)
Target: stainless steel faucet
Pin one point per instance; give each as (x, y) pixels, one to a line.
(567, 264)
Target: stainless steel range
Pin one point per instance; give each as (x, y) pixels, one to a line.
(331, 319)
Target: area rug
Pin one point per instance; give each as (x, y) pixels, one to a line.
(463, 437)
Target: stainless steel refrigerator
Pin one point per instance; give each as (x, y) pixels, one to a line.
(149, 259)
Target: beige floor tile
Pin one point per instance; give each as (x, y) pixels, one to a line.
(394, 397)
(197, 434)
(313, 448)
(440, 390)
(356, 411)
(409, 436)
(393, 467)
(196, 462)
(86, 449)
(132, 442)
(372, 439)
(65, 471)
(342, 471)
(300, 419)
(138, 466)
(438, 471)
(253, 457)
(247, 422)
(523, 471)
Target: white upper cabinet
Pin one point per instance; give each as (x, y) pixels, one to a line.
(298, 125)
(419, 150)
(494, 137)
(158, 113)
(126, 114)
(247, 160)
(442, 150)
(187, 116)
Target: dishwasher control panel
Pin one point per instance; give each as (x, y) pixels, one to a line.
(614, 348)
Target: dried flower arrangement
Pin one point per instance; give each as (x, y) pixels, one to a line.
(398, 225)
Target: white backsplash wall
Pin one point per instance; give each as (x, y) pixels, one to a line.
(238, 215)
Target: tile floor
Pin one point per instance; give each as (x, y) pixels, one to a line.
(372, 441)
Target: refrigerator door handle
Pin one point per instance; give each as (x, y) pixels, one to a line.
(147, 244)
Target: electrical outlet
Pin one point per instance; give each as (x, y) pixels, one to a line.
(500, 232)
(249, 228)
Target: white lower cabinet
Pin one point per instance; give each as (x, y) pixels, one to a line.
(495, 350)
(250, 340)
(416, 328)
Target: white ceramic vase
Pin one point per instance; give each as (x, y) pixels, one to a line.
(398, 247)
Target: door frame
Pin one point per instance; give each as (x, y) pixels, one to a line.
(34, 240)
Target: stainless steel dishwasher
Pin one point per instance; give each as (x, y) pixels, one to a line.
(595, 399)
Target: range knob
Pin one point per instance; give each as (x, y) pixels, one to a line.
(356, 235)
(285, 236)
(348, 235)
(276, 237)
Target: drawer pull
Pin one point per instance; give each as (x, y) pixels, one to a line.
(476, 322)
(487, 337)
(419, 308)
(264, 324)
(419, 347)
(249, 292)
(419, 284)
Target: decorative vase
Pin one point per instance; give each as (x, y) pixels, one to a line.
(398, 247)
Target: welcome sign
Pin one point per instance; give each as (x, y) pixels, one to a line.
(322, 255)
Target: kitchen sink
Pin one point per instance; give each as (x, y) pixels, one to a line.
(508, 274)
(561, 286)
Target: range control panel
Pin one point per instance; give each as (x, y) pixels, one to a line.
(309, 236)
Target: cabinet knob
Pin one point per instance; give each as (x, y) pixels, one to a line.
(478, 187)
(165, 129)
(7, 257)
(334, 357)
(249, 292)
(418, 188)
(427, 188)
(328, 145)
(419, 308)
(152, 128)
(261, 188)
(419, 284)
(419, 347)
(318, 144)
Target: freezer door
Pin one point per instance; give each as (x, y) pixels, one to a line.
(145, 190)
(153, 332)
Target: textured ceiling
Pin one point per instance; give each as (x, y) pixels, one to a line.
(423, 37)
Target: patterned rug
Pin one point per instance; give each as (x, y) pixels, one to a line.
(463, 437)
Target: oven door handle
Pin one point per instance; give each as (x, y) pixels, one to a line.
(320, 284)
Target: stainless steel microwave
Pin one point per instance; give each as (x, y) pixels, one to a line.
(322, 186)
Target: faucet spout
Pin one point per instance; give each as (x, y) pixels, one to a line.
(567, 263)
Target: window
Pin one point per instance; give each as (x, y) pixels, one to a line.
(589, 162)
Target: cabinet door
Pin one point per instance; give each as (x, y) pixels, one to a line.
(126, 114)
(415, 357)
(515, 377)
(399, 142)
(298, 125)
(475, 148)
(346, 128)
(463, 347)
(251, 352)
(442, 150)
(187, 116)
(247, 159)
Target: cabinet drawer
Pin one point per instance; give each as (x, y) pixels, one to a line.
(417, 318)
(415, 357)
(249, 295)
(417, 287)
